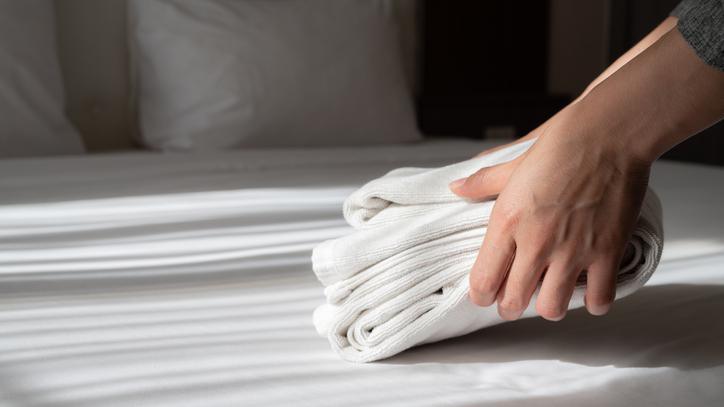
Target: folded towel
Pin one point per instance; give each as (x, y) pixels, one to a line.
(401, 279)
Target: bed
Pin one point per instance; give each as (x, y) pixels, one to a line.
(145, 279)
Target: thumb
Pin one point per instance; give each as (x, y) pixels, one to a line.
(485, 183)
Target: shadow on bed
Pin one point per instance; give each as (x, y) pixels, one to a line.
(675, 325)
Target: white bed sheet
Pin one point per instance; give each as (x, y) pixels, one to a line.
(152, 280)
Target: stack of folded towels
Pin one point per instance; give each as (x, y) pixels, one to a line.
(401, 279)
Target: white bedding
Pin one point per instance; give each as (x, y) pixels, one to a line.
(154, 280)
(401, 279)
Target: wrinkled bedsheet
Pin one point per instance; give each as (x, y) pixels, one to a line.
(152, 280)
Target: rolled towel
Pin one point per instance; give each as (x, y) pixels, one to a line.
(400, 279)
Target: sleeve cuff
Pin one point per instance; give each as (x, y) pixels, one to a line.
(701, 23)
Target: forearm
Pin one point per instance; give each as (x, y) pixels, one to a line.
(659, 98)
(642, 45)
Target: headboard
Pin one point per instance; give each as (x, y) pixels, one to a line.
(94, 57)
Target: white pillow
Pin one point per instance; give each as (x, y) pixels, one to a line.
(32, 120)
(218, 74)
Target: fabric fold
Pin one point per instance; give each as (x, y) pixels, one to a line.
(400, 279)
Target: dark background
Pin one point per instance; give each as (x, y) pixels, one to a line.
(486, 66)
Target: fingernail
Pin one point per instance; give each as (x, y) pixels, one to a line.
(457, 183)
(558, 318)
(509, 315)
(599, 310)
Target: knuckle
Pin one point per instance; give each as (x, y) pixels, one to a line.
(478, 298)
(479, 177)
(547, 223)
(608, 244)
(512, 303)
(569, 264)
(483, 283)
(506, 219)
(572, 270)
(538, 252)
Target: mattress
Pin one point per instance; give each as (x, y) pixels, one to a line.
(174, 280)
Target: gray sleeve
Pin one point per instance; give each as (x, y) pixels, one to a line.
(701, 23)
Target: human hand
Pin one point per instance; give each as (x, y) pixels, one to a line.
(567, 205)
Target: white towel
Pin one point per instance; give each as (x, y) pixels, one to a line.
(401, 279)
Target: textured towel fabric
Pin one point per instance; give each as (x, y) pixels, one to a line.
(400, 279)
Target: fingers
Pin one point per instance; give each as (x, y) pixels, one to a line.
(523, 278)
(485, 183)
(601, 286)
(491, 266)
(557, 289)
(521, 282)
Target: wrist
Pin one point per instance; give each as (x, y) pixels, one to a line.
(646, 107)
(604, 133)
(633, 134)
